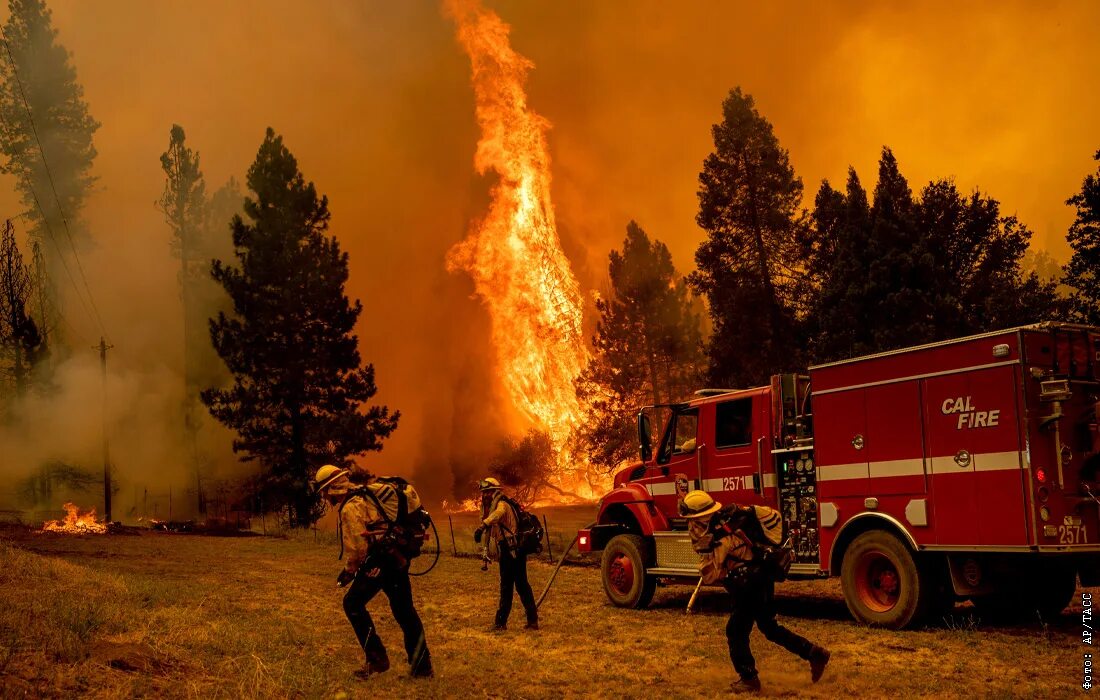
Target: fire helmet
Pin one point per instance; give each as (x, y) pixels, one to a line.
(489, 484)
(326, 476)
(698, 504)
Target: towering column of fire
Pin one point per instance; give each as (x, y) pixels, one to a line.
(514, 255)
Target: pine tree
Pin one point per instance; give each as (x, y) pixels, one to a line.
(647, 347)
(979, 280)
(298, 383)
(749, 200)
(1083, 270)
(900, 275)
(183, 205)
(38, 68)
(19, 335)
(907, 270)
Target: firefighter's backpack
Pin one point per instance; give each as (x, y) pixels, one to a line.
(528, 532)
(408, 528)
(771, 552)
(775, 552)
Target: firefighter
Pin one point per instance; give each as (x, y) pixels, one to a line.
(499, 522)
(731, 541)
(373, 564)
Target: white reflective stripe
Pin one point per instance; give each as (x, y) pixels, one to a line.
(983, 462)
(897, 467)
(835, 472)
(665, 489)
(712, 484)
(998, 461)
(769, 481)
(946, 465)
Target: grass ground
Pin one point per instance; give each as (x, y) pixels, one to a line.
(167, 615)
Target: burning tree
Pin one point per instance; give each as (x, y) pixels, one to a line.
(298, 381)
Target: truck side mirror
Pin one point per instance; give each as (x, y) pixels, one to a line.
(645, 449)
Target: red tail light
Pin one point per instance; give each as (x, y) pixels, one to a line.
(1041, 476)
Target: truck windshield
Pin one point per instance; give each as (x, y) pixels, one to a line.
(681, 435)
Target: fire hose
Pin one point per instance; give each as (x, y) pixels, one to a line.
(438, 548)
(538, 603)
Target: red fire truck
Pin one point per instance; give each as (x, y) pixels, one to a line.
(968, 468)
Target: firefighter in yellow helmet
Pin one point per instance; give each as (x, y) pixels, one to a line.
(735, 543)
(373, 564)
(499, 521)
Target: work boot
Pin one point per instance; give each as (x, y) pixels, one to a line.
(532, 624)
(374, 664)
(423, 669)
(497, 627)
(819, 658)
(746, 684)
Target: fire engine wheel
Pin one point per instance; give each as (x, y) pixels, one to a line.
(624, 578)
(882, 583)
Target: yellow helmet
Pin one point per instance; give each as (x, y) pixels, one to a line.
(489, 484)
(698, 504)
(326, 476)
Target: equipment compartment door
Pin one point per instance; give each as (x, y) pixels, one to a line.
(895, 447)
(973, 445)
(954, 488)
(998, 461)
(840, 439)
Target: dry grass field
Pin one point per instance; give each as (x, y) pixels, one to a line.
(167, 615)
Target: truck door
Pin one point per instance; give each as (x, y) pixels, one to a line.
(741, 451)
(678, 457)
(973, 444)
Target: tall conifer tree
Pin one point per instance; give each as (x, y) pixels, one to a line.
(299, 384)
(1083, 270)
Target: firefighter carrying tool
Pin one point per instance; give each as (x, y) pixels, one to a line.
(740, 548)
(501, 517)
(369, 527)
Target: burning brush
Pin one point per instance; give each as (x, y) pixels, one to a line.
(76, 524)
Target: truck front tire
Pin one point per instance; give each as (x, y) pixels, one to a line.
(624, 572)
(883, 586)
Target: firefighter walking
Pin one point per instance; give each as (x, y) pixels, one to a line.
(373, 563)
(734, 546)
(500, 523)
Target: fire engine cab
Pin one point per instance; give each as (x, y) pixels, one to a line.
(968, 468)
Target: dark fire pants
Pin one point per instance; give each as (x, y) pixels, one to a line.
(513, 575)
(754, 601)
(394, 582)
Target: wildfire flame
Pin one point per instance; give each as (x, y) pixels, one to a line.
(75, 523)
(469, 505)
(514, 255)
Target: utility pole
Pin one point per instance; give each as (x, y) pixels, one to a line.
(103, 347)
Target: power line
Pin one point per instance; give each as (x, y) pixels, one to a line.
(53, 188)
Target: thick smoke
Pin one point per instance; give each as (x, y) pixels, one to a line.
(374, 100)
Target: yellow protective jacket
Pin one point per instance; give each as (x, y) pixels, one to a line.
(500, 520)
(361, 523)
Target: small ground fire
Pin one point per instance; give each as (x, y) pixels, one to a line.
(76, 524)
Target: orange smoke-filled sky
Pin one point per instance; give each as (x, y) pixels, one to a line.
(374, 100)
